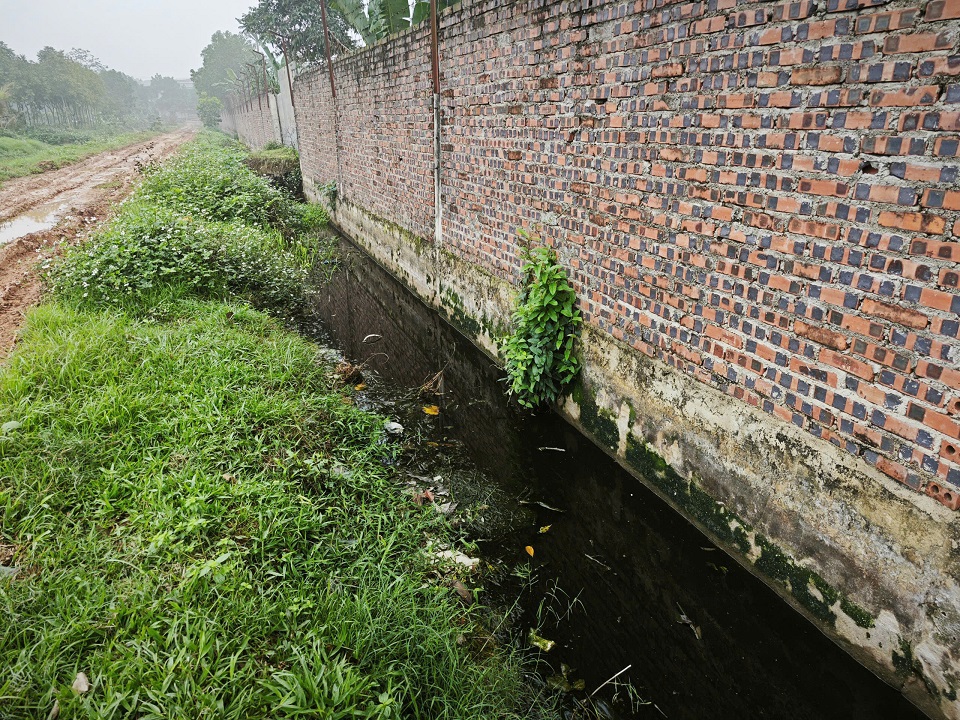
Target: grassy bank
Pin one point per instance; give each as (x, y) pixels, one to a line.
(202, 521)
(21, 155)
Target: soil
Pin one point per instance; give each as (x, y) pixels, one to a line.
(84, 195)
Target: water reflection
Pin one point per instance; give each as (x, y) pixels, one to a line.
(40, 217)
(619, 578)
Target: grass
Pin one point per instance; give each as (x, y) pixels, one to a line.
(206, 526)
(21, 156)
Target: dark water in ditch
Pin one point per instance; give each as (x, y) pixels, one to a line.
(617, 569)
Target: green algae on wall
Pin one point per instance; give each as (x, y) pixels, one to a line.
(810, 590)
(600, 424)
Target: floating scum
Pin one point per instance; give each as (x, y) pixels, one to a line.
(196, 520)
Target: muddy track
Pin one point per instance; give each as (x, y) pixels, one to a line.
(86, 192)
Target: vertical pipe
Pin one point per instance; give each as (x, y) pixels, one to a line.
(435, 63)
(326, 45)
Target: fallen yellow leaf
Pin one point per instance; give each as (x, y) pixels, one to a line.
(360, 386)
(545, 528)
(529, 550)
(431, 409)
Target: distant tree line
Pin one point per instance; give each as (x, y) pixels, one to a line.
(75, 90)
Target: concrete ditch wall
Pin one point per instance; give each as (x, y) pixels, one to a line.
(757, 205)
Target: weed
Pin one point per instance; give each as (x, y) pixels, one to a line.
(329, 191)
(539, 354)
(147, 248)
(206, 527)
(204, 224)
(202, 521)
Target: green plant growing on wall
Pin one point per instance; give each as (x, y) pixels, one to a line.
(539, 354)
(329, 191)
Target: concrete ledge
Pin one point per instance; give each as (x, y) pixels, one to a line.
(873, 564)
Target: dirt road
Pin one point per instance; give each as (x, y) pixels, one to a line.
(39, 214)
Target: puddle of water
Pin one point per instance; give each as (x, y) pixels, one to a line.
(40, 217)
(611, 577)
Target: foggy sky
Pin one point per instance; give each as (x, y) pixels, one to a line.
(138, 37)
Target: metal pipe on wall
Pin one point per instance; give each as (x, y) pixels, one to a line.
(435, 64)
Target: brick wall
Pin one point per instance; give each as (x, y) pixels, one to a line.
(385, 128)
(763, 196)
(253, 122)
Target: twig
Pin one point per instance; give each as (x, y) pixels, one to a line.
(611, 679)
(603, 565)
(541, 504)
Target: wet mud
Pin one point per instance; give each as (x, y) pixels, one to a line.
(40, 214)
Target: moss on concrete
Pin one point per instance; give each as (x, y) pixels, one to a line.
(688, 496)
(452, 305)
(856, 613)
(777, 565)
(595, 420)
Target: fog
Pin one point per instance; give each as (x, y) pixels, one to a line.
(137, 37)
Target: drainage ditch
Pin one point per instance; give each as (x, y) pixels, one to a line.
(622, 584)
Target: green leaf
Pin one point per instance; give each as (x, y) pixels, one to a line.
(421, 11)
(394, 16)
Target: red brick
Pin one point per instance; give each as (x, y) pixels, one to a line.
(817, 75)
(944, 494)
(907, 97)
(848, 364)
(894, 313)
(917, 42)
(913, 222)
(821, 335)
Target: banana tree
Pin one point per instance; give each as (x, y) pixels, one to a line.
(380, 18)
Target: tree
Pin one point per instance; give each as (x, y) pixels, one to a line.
(209, 108)
(122, 100)
(169, 98)
(87, 59)
(378, 19)
(223, 60)
(295, 28)
(6, 113)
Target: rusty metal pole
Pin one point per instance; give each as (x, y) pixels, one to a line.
(286, 60)
(266, 85)
(435, 63)
(434, 47)
(253, 69)
(326, 45)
